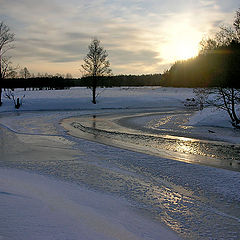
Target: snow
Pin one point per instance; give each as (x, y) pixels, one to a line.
(219, 122)
(43, 204)
(38, 207)
(211, 117)
(116, 98)
(80, 98)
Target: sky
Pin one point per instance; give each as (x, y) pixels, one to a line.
(140, 36)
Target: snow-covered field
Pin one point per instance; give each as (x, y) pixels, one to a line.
(54, 186)
(80, 98)
(116, 98)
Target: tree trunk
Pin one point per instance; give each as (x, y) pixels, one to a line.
(1, 78)
(0, 96)
(223, 94)
(94, 95)
(94, 87)
(237, 120)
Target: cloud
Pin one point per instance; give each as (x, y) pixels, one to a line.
(138, 62)
(139, 57)
(134, 32)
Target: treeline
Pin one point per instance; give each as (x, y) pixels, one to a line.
(125, 80)
(218, 67)
(37, 83)
(57, 82)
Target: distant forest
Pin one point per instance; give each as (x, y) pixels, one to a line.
(216, 67)
(58, 82)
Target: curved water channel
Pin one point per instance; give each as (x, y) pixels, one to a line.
(161, 133)
(196, 201)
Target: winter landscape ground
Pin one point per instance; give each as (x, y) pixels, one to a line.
(137, 165)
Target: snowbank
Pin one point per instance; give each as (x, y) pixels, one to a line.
(217, 124)
(38, 207)
(211, 117)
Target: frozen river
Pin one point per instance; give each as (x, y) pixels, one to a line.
(194, 200)
(161, 133)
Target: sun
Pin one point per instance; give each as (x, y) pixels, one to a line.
(185, 50)
(180, 49)
(182, 42)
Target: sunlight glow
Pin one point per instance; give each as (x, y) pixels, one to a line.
(185, 49)
(181, 49)
(182, 43)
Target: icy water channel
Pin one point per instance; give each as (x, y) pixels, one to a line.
(197, 202)
(165, 134)
(194, 201)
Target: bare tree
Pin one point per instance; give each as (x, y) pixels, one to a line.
(227, 100)
(236, 24)
(6, 38)
(201, 95)
(68, 76)
(16, 100)
(207, 45)
(24, 73)
(7, 69)
(224, 37)
(227, 95)
(96, 65)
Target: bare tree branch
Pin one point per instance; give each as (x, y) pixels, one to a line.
(6, 38)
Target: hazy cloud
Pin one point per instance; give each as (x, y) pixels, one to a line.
(136, 33)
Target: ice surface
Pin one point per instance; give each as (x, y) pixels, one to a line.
(197, 202)
(39, 207)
